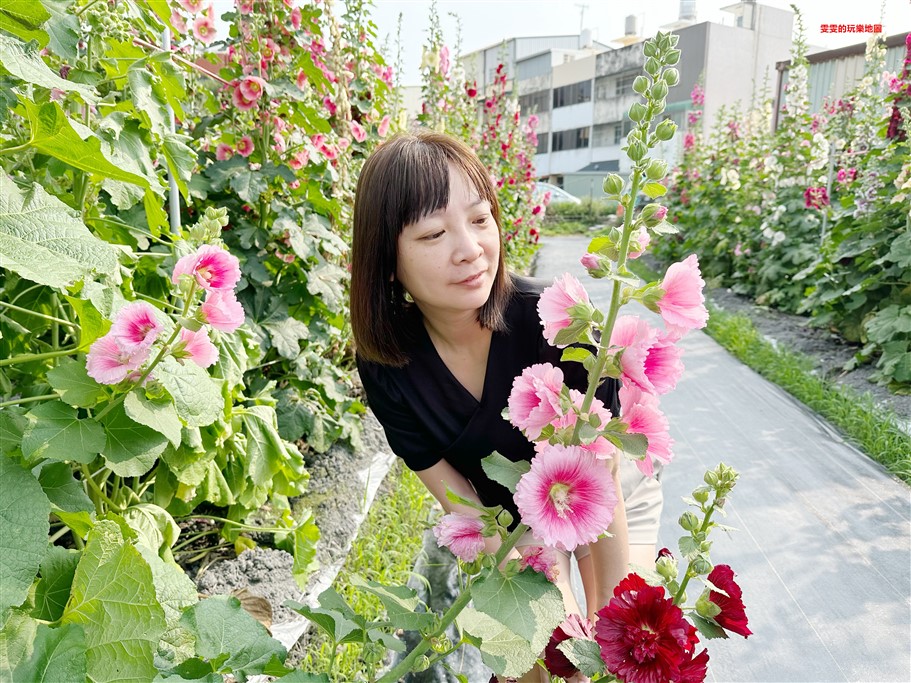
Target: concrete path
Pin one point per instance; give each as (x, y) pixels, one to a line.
(823, 542)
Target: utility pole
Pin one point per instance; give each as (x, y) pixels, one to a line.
(582, 9)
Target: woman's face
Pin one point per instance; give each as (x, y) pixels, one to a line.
(448, 260)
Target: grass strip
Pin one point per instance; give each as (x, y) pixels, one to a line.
(385, 551)
(872, 429)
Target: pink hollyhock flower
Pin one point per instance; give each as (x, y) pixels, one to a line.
(344, 143)
(682, 306)
(330, 105)
(639, 243)
(193, 6)
(241, 102)
(642, 416)
(554, 305)
(383, 128)
(556, 662)
(107, 363)
(358, 132)
(245, 146)
(689, 141)
(444, 60)
(204, 29)
(177, 21)
(301, 79)
(244, 6)
(649, 360)
(196, 346)
(643, 635)
(299, 160)
(733, 613)
(252, 87)
(213, 268)
(461, 534)
(296, 18)
(816, 197)
(222, 310)
(533, 121)
(567, 497)
(223, 152)
(541, 559)
(135, 327)
(534, 401)
(329, 151)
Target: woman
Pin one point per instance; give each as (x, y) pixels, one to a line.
(442, 330)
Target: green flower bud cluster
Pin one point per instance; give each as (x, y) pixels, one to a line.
(112, 20)
(210, 225)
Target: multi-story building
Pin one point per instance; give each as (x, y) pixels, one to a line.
(581, 90)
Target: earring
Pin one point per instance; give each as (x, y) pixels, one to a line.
(408, 297)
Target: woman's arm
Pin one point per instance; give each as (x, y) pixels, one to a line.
(610, 555)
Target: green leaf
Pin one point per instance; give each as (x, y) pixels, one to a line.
(23, 61)
(159, 415)
(131, 448)
(504, 471)
(248, 185)
(56, 432)
(584, 654)
(688, 547)
(80, 522)
(300, 676)
(59, 656)
(113, 599)
(92, 323)
(147, 98)
(62, 489)
(23, 18)
(156, 217)
(708, 628)
(286, 335)
(531, 605)
(306, 536)
(155, 528)
(17, 639)
(12, 426)
(267, 454)
(501, 649)
(53, 589)
(52, 134)
(175, 592)
(181, 159)
(326, 281)
(575, 353)
(24, 511)
(197, 397)
(654, 190)
(45, 241)
(62, 29)
(337, 626)
(222, 627)
(401, 603)
(70, 379)
(633, 443)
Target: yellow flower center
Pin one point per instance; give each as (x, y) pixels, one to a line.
(559, 496)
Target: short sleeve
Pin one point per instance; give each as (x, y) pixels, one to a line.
(402, 427)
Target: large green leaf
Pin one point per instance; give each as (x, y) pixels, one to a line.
(155, 528)
(24, 511)
(53, 589)
(92, 323)
(175, 592)
(267, 454)
(305, 538)
(63, 29)
(12, 426)
(23, 61)
(56, 432)
(501, 649)
(62, 489)
(70, 379)
(17, 640)
(584, 654)
(45, 241)
(23, 18)
(58, 656)
(131, 448)
(504, 471)
(159, 415)
(286, 335)
(113, 599)
(147, 98)
(54, 135)
(401, 603)
(528, 603)
(181, 159)
(197, 397)
(326, 281)
(222, 627)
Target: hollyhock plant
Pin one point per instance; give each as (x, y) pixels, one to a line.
(559, 306)
(534, 401)
(196, 346)
(574, 627)
(245, 146)
(461, 534)
(252, 87)
(567, 497)
(211, 266)
(358, 132)
(222, 310)
(682, 304)
(732, 616)
(135, 327)
(107, 362)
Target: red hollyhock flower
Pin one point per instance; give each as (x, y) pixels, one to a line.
(733, 615)
(557, 662)
(642, 633)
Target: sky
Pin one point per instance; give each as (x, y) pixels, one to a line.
(489, 22)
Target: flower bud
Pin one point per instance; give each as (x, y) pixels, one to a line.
(705, 607)
(650, 49)
(651, 66)
(666, 567)
(665, 130)
(441, 643)
(671, 77)
(640, 85)
(656, 169)
(505, 518)
(701, 494)
(637, 112)
(689, 521)
(653, 214)
(663, 40)
(711, 478)
(421, 664)
(701, 565)
(636, 150)
(672, 57)
(659, 90)
(613, 184)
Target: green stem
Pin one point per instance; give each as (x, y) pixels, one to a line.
(79, 12)
(30, 399)
(99, 497)
(461, 602)
(17, 148)
(31, 357)
(60, 532)
(687, 576)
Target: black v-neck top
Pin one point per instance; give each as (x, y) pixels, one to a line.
(429, 416)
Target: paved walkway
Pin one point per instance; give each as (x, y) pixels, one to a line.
(823, 541)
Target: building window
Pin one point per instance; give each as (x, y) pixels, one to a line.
(535, 102)
(621, 130)
(603, 135)
(576, 138)
(575, 93)
(542, 143)
(625, 85)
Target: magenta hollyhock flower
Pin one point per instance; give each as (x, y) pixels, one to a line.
(567, 497)
(556, 662)
(204, 29)
(689, 141)
(222, 310)
(541, 559)
(555, 302)
(534, 401)
(213, 268)
(296, 18)
(643, 635)
(461, 534)
(223, 152)
(107, 363)
(649, 359)
(682, 305)
(383, 128)
(196, 346)
(642, 416)
(241, 102)
(301, 79)
(733, 613)
(245, 146)
(252, 87)
(135, 327)
(358, 132)
(816, 197)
